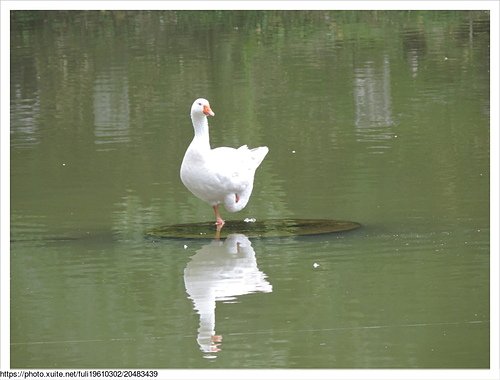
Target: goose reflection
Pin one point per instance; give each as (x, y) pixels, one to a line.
(221, 271)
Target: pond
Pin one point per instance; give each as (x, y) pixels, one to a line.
(380, 118)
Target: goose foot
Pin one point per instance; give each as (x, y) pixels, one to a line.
(219, 222)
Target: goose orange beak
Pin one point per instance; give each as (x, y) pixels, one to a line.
(208, 111)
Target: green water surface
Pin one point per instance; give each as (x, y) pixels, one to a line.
(381, 118)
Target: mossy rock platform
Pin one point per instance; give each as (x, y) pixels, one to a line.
(254, 229)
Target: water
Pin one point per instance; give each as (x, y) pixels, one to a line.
(376, 117)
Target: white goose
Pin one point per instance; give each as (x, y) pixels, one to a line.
(221, 175)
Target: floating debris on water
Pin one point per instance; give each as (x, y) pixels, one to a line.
(253, 228)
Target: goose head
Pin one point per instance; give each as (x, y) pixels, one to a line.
(201, 108)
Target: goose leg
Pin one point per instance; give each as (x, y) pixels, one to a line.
(218, 220)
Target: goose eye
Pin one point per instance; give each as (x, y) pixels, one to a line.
(199, 104)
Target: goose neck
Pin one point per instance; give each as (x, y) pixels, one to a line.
(200, 124)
